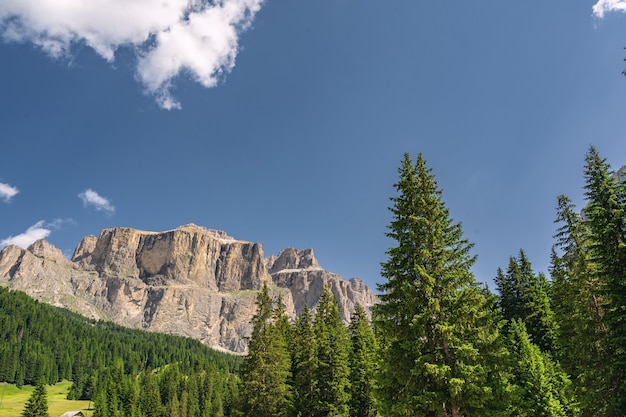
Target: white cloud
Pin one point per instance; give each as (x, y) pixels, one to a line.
(92, 198)
(7, 192)
(37, 231)
(195, 37)
(605, 6)
(40, 230)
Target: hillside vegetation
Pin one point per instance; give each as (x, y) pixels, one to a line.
(39, 342)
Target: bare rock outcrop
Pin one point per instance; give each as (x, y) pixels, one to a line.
(189, 281)
(44, 273)
(300, 273)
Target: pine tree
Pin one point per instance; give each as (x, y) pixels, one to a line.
(304, 364)
(129, 396)
(362, 365)
(524, 295)
(150, 396)
(281, 321)
(100, 404)
(192, 398)
(589, 282)
(606, 213)
(184, 404)
(173, 407)
(37, 404)
(333, 372)
(265, 372)
(578, 307)
(280, 337)
(544, 390)
(435, 324)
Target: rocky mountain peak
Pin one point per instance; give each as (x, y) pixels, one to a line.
(42, 249)
(292, 259)
(85, 248)
(189, 281)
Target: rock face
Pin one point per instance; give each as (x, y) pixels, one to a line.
(190, 281)
(298, 271)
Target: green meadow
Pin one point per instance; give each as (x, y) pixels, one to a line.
(13, 400)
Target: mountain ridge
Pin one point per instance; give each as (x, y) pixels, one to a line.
(189, 281)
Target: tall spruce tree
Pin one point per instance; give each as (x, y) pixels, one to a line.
(304, 364)
(281, 321)
(435, 324)
(332, 374)
(578, 308)
(265, 372)
(606, 214)
(524, 295)
(589, 281)
(362, 365)
(37, 404)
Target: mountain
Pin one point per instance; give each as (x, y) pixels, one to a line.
(190, 281)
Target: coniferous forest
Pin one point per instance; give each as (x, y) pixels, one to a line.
(439, 344)
(125, 372)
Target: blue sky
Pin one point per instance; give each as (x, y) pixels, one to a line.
(284, 122)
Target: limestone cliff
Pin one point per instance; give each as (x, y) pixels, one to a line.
(299, 272)
(190, 281)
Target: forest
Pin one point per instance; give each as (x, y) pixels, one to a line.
(440, 343)
(125, 372)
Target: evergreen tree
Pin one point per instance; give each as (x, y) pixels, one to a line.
(37, 404)
(362, 365)
(589, 287)
(281, 321)
(150, 396)
(193, 395)
(606, 214)
(173, 407)
(100, 404)
(217, 405)
(578, 307)
(544, 390)
(435, 324)
(129, 396)
(184, 403)
(304, 364)
(265, 372)
(332, 374)
(524, 295)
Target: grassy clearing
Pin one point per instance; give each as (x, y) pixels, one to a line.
(14, 399)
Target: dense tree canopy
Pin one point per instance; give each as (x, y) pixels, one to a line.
(41, 341)
(324, 357)
(524, 296)
(114, 366)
